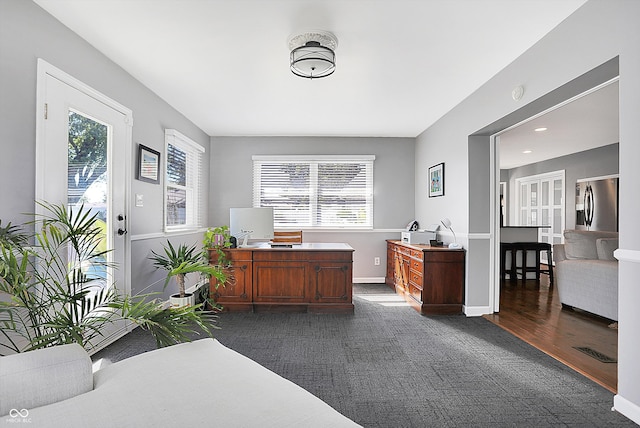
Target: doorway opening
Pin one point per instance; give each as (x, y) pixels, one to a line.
(528, 308)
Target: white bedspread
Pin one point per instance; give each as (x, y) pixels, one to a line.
(197, 384)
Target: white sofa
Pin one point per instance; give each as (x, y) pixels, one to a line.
(195, 384)
(587, 272)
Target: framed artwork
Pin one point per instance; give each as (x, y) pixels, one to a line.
(148, 164)
(436, 180)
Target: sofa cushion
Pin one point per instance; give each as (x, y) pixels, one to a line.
(581, 244)
(44, 376)
(606, 247)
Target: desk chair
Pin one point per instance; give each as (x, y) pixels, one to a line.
(288, 236)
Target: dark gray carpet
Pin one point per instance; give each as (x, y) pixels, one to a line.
(388, 366)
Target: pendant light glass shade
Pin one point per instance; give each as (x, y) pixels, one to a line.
(313, 54)
(313, 61)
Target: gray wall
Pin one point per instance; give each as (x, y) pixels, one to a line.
(393, 174)
(590, 163)
(27, 33)
(592, 36)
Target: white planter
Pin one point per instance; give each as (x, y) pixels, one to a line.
(188, 300)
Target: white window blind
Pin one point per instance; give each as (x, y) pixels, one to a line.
(183, 184)
(315, 191)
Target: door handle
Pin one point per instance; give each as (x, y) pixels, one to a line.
(122, 231)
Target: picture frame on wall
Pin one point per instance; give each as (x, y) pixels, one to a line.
(436, 180)
(148, 164)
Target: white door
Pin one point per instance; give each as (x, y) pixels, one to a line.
(541, 203)
(82, 157)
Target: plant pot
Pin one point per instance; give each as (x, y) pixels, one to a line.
(176, 301)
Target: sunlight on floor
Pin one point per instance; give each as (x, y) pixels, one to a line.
(383, 299)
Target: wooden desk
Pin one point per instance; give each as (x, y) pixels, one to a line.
(314, 277)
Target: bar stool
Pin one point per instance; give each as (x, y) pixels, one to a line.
(508, 247)
(538, 247)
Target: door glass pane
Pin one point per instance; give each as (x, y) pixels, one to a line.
(534, 194)
(545, 193)
(88, 179)
(545, 217)
(534, 218)
(557, 192)
(557, 220)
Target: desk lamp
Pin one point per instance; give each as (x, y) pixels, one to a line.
(447, 223)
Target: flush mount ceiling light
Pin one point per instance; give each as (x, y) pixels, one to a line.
(313, 54)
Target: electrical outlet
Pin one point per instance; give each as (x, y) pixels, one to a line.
(376, 261)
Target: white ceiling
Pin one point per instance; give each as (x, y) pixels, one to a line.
(587, 122)
(401, 64)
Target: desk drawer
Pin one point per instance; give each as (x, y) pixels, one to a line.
(416, 265)
(415, 279)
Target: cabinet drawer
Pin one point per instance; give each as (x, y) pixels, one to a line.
(237, 255)
(415, 278)
(416, 265)
(415, 292)
(403, 250)
(415, 253)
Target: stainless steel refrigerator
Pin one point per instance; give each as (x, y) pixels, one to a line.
(597, 204)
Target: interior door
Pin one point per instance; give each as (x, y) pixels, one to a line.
(82, 158)
(541, 203)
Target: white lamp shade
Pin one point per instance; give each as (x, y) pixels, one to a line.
(313, 61)
(446, 223)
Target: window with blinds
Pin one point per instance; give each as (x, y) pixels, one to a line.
(183, 187)
(315, 191)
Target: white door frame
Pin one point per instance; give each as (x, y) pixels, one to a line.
(46, 70)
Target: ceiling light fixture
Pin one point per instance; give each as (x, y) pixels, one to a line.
(313, 54)
(526, 152)
(540, 129)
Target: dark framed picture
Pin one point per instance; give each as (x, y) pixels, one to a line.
(436, 180)
(148, 164)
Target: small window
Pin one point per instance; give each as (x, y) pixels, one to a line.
(183, 184)
(315, 191)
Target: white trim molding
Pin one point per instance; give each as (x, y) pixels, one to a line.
(479, 236)
(476, 311)
(626, 408)
(627, 255)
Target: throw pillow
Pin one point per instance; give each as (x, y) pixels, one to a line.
(606, 247)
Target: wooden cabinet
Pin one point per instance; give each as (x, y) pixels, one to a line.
(330, 281)
(237, 292)
(431, 279)
(311, 277)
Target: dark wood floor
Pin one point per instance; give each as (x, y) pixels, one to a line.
(532, 311)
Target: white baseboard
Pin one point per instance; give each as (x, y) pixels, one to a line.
(194, 288)
(626, 408)
(476, 311)
(369, 280)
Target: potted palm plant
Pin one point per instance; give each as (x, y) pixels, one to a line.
(49, 299)
(179, 262)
